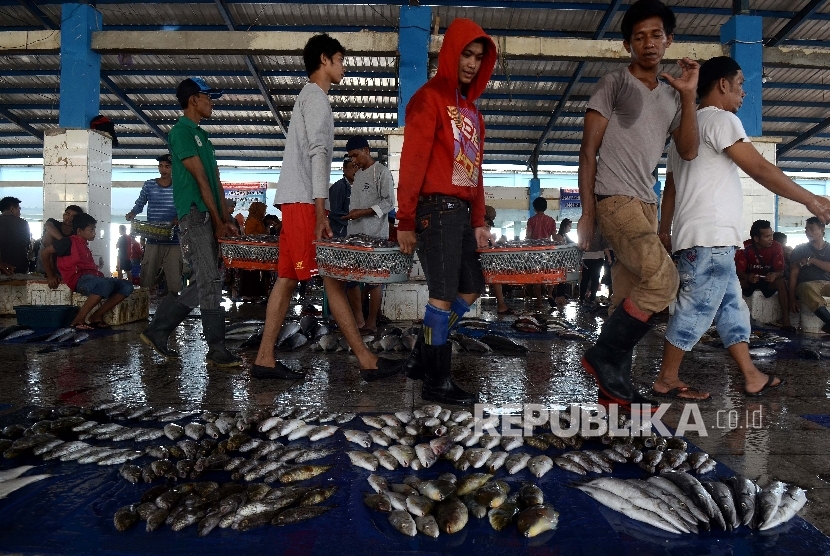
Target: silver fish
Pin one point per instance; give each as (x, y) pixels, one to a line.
(427, 525)
(403, 522)
(516, 462)
(425, 455)
(288, 329)
(768, 501)
(791, 503)
(7, 487)
(379, 438)
(363, 459)
(419, 505)
(386, 459)
(539, 465)
(496, 461)
(378, 483)
(619, 504)
(437, 489)
(10, 474)
(173, 431)
(404, 454)
(358, 437)
(722, 495)
(744, 492)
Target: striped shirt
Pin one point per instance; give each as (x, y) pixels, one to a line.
(161, 207)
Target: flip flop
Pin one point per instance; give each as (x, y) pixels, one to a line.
(767, 387)
(98, 324)
(674, 393)
(84, 326)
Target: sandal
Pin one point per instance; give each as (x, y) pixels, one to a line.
(99, 325)
(767, 387)
(83, 326)
(674, 393)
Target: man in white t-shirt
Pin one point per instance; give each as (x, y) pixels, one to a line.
(702, 212)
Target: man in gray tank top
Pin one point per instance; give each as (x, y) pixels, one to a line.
(630, 116)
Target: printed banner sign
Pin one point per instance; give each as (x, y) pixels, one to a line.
(245, 193)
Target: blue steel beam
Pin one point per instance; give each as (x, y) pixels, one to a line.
(114, 89)
(254, 71)
(21, 124)
(807, 12)
(35, 10)
(612, 9)
(815, 130)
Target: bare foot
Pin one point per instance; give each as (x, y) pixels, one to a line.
(679, 390)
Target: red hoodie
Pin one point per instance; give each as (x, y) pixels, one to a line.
(444, 132)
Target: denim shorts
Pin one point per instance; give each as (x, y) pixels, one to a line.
(447, 247)
(709, 292)
(101, 286)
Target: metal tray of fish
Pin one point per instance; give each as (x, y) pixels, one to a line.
(153, 230)
(529, 264)
(359, 263)
(252, 252)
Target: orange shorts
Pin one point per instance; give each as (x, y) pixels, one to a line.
(298, 257)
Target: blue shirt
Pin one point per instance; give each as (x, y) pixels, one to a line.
(339, 194)
(161, 207)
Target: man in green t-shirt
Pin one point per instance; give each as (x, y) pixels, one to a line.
(203, 219)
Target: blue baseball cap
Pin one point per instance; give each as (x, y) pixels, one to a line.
(193, 86)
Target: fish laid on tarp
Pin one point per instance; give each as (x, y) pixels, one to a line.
(502, 344)
(9, 331)
(7, 487)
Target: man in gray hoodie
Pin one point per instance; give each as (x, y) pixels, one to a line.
(302, 191)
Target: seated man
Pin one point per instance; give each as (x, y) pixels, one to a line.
(760, 266)
(79, 271)
(15, 238)
(54, 230)
(810, 272)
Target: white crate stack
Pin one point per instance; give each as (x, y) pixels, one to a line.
(77, 170)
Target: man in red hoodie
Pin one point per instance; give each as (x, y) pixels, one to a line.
(441, 199)
(760, 266)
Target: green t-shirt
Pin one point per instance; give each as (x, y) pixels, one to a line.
(188, 139)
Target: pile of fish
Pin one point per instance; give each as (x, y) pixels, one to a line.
(419, 438)
(362, 240)
(677, 502)
(540, 323)
(60, 339)
(761, 343)
(230, 505)
(444, 504)
(11, 480)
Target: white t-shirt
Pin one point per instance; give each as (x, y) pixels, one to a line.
(708, 207)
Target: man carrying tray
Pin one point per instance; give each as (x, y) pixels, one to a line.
(441, 199)
(301, 193)
(166, 254)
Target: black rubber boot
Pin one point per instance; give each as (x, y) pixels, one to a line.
(413, 365)
(169, 315)
(609, 360)
(824, 315)
(213, 326)
(438, 383)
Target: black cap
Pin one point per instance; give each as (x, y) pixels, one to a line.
(102, 123)
(713, 69)
(165, 158)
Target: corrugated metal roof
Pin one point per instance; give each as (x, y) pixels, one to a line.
(517, 104)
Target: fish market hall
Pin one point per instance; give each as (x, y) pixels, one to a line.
(501, 369)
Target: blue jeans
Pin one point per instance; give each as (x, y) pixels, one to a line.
(89, 284)
(709, 291)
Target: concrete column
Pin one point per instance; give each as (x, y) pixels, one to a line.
(744, 35)
(535, 185)
(77, 170)
(413, 46)
(80, 90)
(759, 202)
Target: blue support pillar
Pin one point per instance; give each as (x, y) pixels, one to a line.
(80, 91)
(413, 45)
(535, 192)
(744, 35)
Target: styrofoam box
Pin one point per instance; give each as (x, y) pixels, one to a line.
(33, 292)
(407, 300)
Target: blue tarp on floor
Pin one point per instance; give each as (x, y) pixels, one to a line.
(71, 513)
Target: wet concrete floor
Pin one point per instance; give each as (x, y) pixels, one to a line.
(764, 438)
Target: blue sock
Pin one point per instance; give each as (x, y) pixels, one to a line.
(436, 326)
(458, 309)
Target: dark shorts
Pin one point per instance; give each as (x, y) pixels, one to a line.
(447, 247)
(104, 287)
(766, 288)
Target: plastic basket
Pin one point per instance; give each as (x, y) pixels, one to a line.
(373, 265)
(45, 316)
(529, 265)
(255, 252)
(162, 231)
